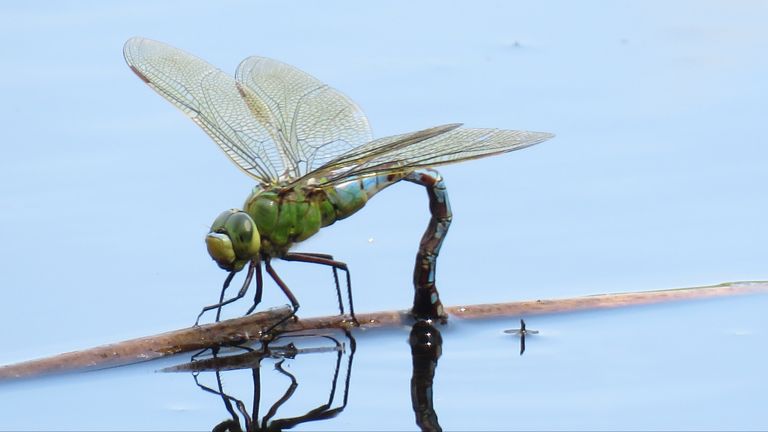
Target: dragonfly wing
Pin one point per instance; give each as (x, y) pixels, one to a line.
(346, 164)
(211, 99)
(432, 147)
(313, 123)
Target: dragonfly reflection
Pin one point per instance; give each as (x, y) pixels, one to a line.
(251, 359)
(426, 348)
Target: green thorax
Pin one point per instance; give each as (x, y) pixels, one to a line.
(287, 215)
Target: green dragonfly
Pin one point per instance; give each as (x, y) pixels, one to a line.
(310, 150)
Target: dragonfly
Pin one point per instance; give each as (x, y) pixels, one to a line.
(310, 150)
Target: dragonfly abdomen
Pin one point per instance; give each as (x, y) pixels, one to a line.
(349, 197)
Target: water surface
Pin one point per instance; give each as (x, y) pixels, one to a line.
(656, 180)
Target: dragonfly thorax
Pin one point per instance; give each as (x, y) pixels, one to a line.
(287, 215)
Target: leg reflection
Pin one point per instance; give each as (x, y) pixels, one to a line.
(281, 350)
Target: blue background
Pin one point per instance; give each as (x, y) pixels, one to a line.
(656, 179)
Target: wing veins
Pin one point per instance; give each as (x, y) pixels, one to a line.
(210, 98)
(418, 150)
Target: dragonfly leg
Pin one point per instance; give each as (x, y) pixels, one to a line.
(259, 290)
(328, 260)
(227, 281)
(286, 291)
(426, 302)
(253, 264)
(299, 258)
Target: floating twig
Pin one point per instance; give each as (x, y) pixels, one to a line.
(248, 328)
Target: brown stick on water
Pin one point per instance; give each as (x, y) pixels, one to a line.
(248, 328)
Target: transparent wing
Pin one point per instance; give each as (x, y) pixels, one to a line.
(313, 123)
(432, 147)
(211, 99)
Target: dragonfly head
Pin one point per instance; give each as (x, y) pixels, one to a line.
(234, 240)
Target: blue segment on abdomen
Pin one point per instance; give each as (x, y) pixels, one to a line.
(351, 196)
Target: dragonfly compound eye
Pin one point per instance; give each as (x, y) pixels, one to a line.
(234, 240)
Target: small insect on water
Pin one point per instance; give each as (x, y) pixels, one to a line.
(310, 150)
(522, 332)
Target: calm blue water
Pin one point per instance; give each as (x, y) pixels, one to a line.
(656, 180)
(686, 366)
